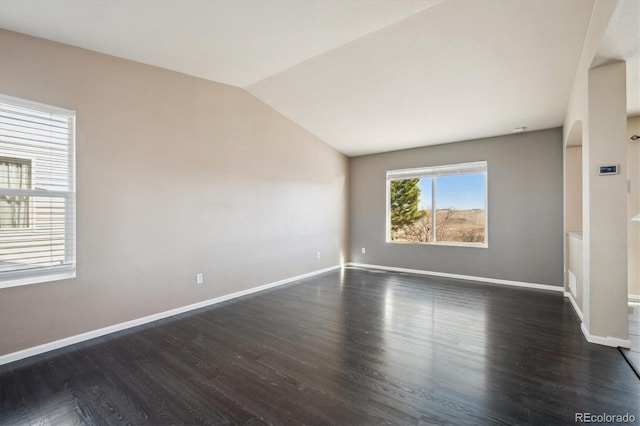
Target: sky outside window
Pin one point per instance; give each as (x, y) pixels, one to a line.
(459, 192)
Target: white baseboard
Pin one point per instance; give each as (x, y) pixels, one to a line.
(569, 295)
(461, 277)
(633, 296)
(36, 350)
(606, 341)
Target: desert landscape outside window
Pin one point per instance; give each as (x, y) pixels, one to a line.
(438, 205)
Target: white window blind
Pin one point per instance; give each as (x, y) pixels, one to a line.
(37, 192)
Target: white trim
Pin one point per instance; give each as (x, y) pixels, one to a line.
(45, 108)
(569, 295)
(461, 277)
(441, 170)
(441, 243)
(35, 192)
(36, 350)
(606, 341)
(633, 296)
(43, 275)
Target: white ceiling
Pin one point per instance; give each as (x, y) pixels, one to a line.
(622, 42)
(236, 42)
(365, 76)
(459, 70)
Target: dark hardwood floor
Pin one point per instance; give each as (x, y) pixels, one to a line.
(347, 347)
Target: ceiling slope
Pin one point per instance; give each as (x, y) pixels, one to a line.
(459, 70)
(236, 42)
(365, 76)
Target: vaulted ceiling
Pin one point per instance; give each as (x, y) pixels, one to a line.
(364, 76)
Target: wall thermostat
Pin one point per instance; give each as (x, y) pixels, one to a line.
(608, 169)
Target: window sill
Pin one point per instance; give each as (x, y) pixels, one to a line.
(448, 244)
(39, 278)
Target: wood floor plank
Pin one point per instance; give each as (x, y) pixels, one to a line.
(347, 348)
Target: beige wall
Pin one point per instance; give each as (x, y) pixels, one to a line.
(573, 218)
(604, 275)
(175, 175)
(573, 189)
(577, 112)
(633, 205)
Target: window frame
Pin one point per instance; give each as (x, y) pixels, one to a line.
(432, 172)
(58, 272)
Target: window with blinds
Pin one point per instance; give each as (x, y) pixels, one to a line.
(438, 205)
(37, 192)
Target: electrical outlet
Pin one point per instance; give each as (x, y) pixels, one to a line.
(199, 278)
(364, 250)
(318, 255)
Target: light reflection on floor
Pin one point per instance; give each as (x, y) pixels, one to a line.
(437, 325)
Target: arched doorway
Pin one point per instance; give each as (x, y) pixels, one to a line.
(574, 275)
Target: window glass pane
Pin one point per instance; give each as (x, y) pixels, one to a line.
(460, 208)
(14, 209)
(410, 205)
(421, 230)
(44, 243)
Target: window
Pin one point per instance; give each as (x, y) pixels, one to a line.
(438, 205)
(37, 192)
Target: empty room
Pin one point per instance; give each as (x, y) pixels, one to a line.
(345, 212)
